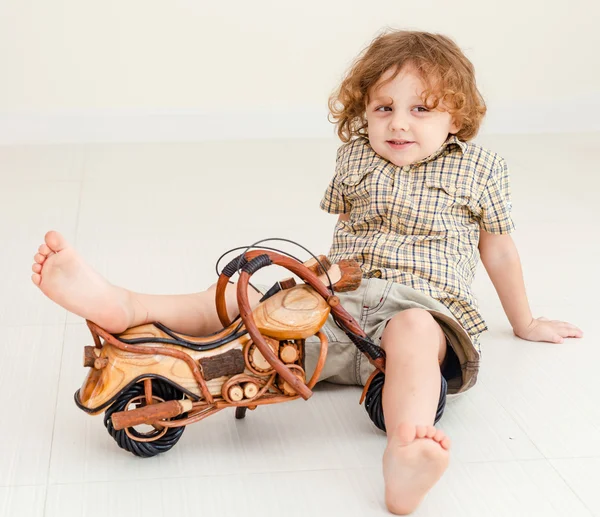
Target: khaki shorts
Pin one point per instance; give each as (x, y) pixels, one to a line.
(372, 305)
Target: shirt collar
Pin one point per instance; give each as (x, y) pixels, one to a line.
(451, 141)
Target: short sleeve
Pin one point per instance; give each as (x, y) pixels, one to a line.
(334, 200)
(495, 204)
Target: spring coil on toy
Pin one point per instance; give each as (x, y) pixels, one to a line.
(374, 401)
(257, 263)
(238, 262)
(160, 389)
(365, 345)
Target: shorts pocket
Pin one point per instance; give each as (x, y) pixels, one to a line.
(370, 310)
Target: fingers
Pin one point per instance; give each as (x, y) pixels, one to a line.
(551, 331)
(560, 330)
(566, 329)
(562, 333)
(570, 331)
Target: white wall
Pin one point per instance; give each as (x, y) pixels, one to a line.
(131, 70)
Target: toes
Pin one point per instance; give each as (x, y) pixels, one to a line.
(439, 435)
(36, 279)
(44, 249)
(39, 258)
(36, 268)
(55, 241)
(445, 443)
(430, 431)
(406, 433)
(421, 431)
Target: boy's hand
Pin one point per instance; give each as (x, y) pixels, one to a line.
(551, 331)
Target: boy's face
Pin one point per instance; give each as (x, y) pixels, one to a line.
(401, 129)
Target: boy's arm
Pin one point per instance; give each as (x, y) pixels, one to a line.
(344, 217)
(501, 260)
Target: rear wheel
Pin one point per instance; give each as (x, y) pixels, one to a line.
(144, 441)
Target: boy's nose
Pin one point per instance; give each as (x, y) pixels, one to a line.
(399, 122)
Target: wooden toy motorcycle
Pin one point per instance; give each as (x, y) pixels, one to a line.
(152, 377)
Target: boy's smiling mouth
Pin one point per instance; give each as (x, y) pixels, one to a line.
(399, 144)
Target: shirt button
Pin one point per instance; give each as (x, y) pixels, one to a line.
(406, 168)
(377, 274)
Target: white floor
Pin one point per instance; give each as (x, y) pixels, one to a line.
(526, 439)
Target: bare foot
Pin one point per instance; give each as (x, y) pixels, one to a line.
(65, 278)
(413, 461)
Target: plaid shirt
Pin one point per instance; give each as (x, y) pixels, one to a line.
(419, 224)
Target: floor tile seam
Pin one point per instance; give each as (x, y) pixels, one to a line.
(77, 220)
(517, 460)
(23, 182)
(78, 213)
(568, 485)
(25, 485)
(531, 460)
(55, 416)
(592, 457)
(210, 475)
(512, 460)
(36, 325)
(84, 149)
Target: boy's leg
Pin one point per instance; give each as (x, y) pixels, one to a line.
(192, 314)
(68, 280)
(417, 453)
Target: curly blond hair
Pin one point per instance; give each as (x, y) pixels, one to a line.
(447, 74)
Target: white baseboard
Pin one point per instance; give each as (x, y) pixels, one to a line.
(183, 126)
(576, 115)
(161, 126)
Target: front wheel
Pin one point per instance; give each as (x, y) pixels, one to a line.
(144, 443)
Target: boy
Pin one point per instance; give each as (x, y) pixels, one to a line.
(417, 203)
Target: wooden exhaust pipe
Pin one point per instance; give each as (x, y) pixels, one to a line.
(150, 414)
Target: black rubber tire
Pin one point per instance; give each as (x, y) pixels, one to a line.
(374, 401)
(144, 449)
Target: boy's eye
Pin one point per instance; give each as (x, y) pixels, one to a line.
(421, 109)
(383, 108)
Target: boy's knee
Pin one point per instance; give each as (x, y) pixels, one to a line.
(415, 320)
(416, 323)
(230, 295)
